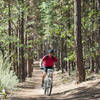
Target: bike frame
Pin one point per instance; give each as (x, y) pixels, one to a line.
(48, 82)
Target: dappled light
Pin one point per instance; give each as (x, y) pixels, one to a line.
(49, 49)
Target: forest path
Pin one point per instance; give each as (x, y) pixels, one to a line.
(31, 89)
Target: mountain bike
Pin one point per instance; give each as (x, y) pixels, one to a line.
(48, 82)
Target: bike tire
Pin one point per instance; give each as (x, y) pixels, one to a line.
(50, 90)
(45, 86)
(47, 90)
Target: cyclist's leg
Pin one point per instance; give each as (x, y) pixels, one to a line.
(44, 75)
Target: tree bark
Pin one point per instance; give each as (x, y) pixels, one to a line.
(69, 63)
(18, 48)
(78, 42)
(22, 42)
(29, 60)
(61, 55)
(9, 27)
(98, 40)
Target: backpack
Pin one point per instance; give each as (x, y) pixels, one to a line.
(48, 56)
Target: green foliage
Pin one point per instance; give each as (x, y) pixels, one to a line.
(47, 23)
(71, 57)
(54, 18)
(8, 79)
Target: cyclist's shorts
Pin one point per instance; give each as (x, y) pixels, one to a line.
(46, 68)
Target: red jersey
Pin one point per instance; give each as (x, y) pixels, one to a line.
(48, 61)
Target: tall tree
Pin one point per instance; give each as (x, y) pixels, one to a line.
(9, 25)
(78, 41)
(98, 39)
(22, 42)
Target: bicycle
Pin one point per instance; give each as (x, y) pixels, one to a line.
(48, 82)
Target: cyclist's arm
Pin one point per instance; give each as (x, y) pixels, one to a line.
(56, 63)
(41, 61)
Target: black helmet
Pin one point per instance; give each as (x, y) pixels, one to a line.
(51, 51)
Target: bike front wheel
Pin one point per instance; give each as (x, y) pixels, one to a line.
(48, 89)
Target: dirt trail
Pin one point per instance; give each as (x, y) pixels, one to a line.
(31, 89)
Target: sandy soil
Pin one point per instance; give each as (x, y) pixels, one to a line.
(31, 89)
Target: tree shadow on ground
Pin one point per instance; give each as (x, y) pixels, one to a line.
(81, 93)
(29, 85)
(38, 98)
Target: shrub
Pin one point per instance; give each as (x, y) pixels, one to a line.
(8, 79)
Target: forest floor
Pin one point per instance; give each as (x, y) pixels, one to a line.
(62, 90)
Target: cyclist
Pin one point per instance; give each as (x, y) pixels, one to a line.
(46, 63)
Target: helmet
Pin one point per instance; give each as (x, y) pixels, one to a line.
(51, 51)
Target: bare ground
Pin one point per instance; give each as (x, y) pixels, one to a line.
(31, 89)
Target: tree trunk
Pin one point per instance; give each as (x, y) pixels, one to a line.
(29, 60)
(69, 63)
(98, 40)
(61, 55)
(9, 27)
(18, 48)
(92, 65)
(73, 66)
(66, 67)
(22, 48)
(78, 42)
